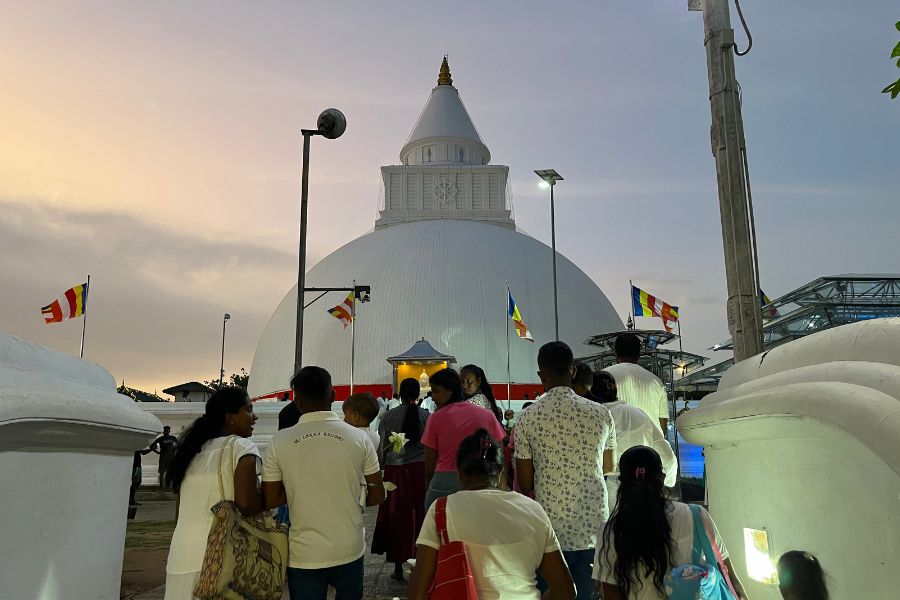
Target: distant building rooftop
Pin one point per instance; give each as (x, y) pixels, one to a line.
(421, 351)
(190, 386)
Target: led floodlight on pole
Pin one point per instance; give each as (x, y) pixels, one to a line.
(331, 124)
(550, 177)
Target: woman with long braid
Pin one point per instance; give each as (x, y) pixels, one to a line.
(400, 516)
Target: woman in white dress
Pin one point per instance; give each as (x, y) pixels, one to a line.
(194, 476)
(478, 391)
(647, 534)
(508, 536)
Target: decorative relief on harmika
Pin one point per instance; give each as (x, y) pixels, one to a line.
(444, 191)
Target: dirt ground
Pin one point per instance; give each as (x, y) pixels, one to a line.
(146, 551)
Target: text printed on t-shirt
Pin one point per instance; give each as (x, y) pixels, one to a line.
(314, 434)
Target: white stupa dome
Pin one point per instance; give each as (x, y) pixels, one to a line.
(441, 280)
(438, 262)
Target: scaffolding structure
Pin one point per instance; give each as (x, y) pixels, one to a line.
(821, 304)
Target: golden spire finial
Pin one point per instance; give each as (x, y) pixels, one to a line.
(444, 77)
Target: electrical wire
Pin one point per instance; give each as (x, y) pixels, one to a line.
(737, 4)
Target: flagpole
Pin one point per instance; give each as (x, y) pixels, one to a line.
(675, 405)
(508, 376)
(675, 421)
(352, 335)
(84, 314)
(680, 348)
(631, 301)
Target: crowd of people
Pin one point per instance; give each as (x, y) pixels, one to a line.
(571, 498)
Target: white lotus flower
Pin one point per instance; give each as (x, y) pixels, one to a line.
(398, 440)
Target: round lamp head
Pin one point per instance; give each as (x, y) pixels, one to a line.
(332, 123)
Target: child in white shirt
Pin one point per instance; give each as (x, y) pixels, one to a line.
(359, 411)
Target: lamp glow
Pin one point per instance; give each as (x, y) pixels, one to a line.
(544, 185)
(756, 552)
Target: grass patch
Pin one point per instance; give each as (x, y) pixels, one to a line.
(147, 534)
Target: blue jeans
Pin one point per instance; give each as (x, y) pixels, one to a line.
(581, 567)
(283, 515)
(312, 584)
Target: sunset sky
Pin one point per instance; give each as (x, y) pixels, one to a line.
(156, 146)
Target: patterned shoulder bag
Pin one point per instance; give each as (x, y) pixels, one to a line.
(246, 557)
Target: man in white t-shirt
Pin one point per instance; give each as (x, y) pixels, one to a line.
(327, 472)
(638, 386)
(428, 403)
(633, 428)
(394, 402)
(382, 403)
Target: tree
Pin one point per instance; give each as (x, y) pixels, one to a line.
(894, 88)
(241, 379)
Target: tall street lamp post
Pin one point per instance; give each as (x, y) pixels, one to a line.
(222, 364)
(330, 125)
(550, 177)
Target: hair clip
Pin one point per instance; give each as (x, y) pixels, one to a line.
(485, 446)
(640, 473)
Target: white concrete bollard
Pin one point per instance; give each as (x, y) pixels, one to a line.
(803, 453)
(67, 442)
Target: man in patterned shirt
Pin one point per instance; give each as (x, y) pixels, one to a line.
(564, 446)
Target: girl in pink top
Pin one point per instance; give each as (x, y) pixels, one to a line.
(453, 421)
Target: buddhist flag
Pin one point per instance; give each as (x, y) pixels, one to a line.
(72, 304)
(648, 305)
(763, 300)
(344, 310)
(516, 316)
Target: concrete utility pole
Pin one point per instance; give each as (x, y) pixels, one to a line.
(730, 151)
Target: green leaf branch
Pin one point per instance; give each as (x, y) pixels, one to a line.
(894, 88)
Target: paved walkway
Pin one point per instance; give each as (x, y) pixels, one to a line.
(378, 584)
(155, 511)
